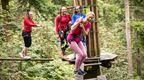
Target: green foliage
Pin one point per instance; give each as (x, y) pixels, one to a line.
(44, 44)
(51, 70)
(110, 12)
(138, 33)
(138, 25)
(55, 70)
(59, 2)
(137, 9)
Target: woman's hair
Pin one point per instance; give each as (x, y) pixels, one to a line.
(90, 13)
(28, 12)
(60, 10)
(75, 9)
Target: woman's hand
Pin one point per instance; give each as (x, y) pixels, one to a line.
(76, 24)
(40, 24)
(82, 25)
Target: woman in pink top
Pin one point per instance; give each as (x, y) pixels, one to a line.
(75, 43)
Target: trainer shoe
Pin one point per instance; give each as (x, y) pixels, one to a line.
(27, 57)
(80, 72)
(21, 55)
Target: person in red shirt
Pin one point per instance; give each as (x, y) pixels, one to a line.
(62, 29)
(27, 25)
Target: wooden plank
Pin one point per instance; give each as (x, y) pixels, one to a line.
(80, 2)
(108, 56)
(86, 3)
(90, 42)
(92, 64)
(20, 59)
(94, 30)
(93, 58)
(96, 23)
(75, 2)
(103, 56)
(86, 61)
(89, 45)
(91, 61)
(91, 79)
(101, 77)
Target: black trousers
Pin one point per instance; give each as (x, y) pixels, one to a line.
(27, 38)
(63, 40)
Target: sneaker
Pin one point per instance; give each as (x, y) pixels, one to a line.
(84, 72)
(65, 58)
(21, 55)
(26, 57)
(80, 72)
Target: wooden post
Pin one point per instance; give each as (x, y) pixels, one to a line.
(93, 45)
(75, 2)
(96, 29)
(128, 38)
(80, 1)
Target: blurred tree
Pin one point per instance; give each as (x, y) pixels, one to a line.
(128, 38)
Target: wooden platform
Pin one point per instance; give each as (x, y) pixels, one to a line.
(103, 57)
(107, 56)
(104, 60)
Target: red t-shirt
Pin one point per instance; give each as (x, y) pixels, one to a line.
(61, 22)
(28, 24)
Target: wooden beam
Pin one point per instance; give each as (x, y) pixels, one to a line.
(96, 23)
(20, 59)
(81, 3)
(75, 2)
(93, 32)
(92, 64)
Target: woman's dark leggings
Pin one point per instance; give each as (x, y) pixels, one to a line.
(27, 38)
(63, 36)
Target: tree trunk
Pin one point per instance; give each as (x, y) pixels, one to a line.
(128, 38)
(5, 9)
(5, 4)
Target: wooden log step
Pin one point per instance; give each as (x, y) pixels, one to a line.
(91, 61)
(108, 56)
(92, 64)
(93, 58)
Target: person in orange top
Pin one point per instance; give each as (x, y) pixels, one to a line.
(62, 28)
(27, 25)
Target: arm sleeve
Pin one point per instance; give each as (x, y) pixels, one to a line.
(84, 15)
(88, 26)
(56, 21)
(73, 19)
(70, 18)
(22, 26)
(29, 22)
